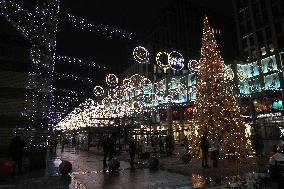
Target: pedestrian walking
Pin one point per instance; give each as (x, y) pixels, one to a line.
(154, 144)
(186, 143)
(16, 152)
(215, 151)
(169, 145)
(204, 145)
(105, 149)
(53, 146)
(132, 151)
(141, 148)
(111, 146)
(276, 167)
(108, 149)
(55, 143)
(64, 141)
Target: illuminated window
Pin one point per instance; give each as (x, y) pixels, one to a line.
(272, 82)
(269, 64)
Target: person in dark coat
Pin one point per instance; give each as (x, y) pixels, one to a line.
(105, 149)
(132, 151)
(16, 152)
(161, 144)
(215, 151)
(204, 145)
(169, 144)
(111, 147)
(108, 148)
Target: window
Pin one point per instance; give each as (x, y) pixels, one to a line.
(254, 53)
(247, 15)
(244, 43)
(265, 16)
(276, 12)
(268, 33)
(255, 9)
(263, 51)
(259, 36)
(258, 21)
(249, 29)
(278, 27)
(242, 29)
(251, 40)
(262, 4)
(241, 17)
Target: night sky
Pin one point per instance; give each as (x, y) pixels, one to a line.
(134, 16)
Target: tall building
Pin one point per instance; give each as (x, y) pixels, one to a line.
(179, 28)
(260, 35)
(14, 58)
(38, 86)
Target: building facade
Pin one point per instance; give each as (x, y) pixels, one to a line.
(260, 36)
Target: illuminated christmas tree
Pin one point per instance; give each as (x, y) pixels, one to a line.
(216, 110)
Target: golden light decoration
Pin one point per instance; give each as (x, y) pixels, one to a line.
(159, 60)
(242, 75)
(141, 55)
(99, 91)
(229, 74)
(193, 66)
(176, 60)
(112, 80)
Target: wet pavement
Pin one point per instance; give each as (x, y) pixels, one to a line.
(88, 173)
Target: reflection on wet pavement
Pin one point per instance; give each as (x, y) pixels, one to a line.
(88, 173)
(139, 178)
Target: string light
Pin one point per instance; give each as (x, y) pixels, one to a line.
(78, 61)
(193, 66)
(141, 55)
(101, 28)
(74, 77)
(176, 60)
(99, 91)
(164, 65)
(111, 80)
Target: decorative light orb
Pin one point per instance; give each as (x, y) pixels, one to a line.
(229, 74)
(141, 55)
(162, 60)
(242, 75)
(111, 80)
(193, 66)
(176, 60)
(99, 91)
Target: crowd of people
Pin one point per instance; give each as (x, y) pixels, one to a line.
(156, 144)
